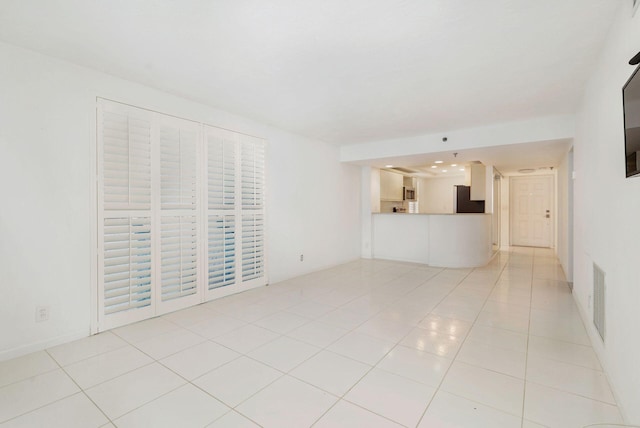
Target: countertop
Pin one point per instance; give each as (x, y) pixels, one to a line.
(431, 213)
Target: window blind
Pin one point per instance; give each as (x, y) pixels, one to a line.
(221, 214)
(181, 213)
(125, 262)
(221, 168)
(179, 253)
(178, 211)
(252, 173)
(222, 251)
(126, 160)
(252, 246)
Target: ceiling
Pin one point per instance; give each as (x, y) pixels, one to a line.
(508, 159)
(339, 71)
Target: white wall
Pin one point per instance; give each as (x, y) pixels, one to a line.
(403, 237)
(370, 202)
(454, 241)
(607, 213)
(435, 195)
(488, 199)
(562, 189)
(47, 138)
(526, 131)
(505, 221)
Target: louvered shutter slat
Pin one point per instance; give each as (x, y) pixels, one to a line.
(135, 144)
(178, 168)
(178, 191)
(127, 264)
(221, 243)
(179, 257)
(221, 161)
(125, 135)
(252, 174)
(126, 161)
(252, 195)
(252, 246)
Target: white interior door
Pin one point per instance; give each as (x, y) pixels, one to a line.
(531, 211)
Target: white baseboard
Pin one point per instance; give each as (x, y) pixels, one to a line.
(597, 346)
(39, 346)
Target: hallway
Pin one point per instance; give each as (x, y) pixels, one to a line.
(370, 343)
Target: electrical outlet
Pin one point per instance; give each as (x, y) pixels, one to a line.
(301, 257)
(42, 313)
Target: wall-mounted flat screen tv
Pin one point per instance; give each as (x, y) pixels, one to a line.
(631, 101)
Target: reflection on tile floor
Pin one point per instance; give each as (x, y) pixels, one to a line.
(371, 343)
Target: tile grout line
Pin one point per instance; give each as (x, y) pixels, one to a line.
(396, 344)
(437, 388)
(29, 377)
(381, 358)
(287, 373)
(154, 360)
(82, 389)
(464, 341)
(526, 357)
(188, 382)
(234, 408)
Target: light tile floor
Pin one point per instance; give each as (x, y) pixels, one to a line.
(370, 343)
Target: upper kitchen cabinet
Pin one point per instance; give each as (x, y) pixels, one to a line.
(409, 182)
(390, 186)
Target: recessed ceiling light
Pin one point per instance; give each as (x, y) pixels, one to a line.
(438, 162)
(388, 166)
(433, 166)
(454, 164)
(461, 169)
(444, 170)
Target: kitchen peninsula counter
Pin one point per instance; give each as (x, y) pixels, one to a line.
(442, 240)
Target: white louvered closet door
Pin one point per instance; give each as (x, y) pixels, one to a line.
(221, 193)
(181, 215)
(125, 236)
(179, 224)
(252, 193)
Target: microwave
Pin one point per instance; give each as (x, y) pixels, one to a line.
(408, 194)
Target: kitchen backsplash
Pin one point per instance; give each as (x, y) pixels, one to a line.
(387, 206)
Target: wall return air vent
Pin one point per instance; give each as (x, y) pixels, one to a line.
(599, 300)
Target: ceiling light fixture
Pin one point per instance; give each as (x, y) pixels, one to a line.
(461, 169)
(433, 166)
(388, 166)
(444, 170)
(454, 164)
(438, 162)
